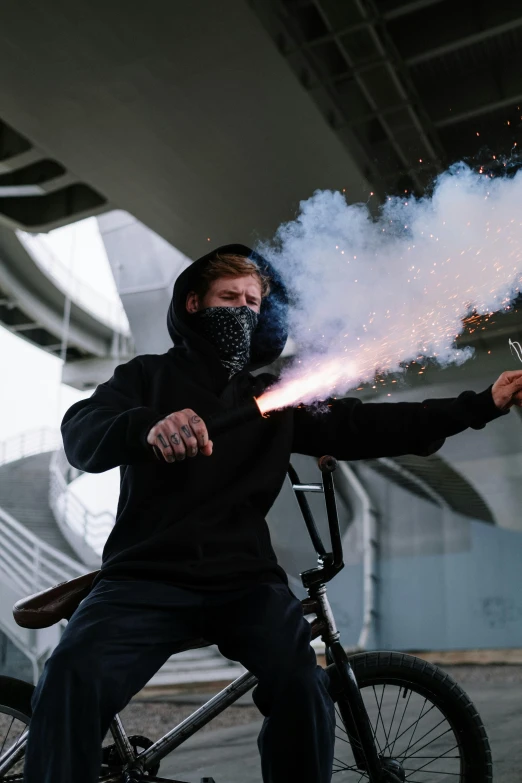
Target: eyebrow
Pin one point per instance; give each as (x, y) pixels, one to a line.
(231, 291)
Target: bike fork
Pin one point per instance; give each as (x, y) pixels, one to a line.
(354, 715)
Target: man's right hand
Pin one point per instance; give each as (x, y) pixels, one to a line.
(179, 435)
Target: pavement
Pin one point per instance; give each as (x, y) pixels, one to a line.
(230, 755)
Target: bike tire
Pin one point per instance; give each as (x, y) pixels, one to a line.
(15, 715)
(416, 676)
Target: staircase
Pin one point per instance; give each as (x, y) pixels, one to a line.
(24, 493)
(28, 565)
(204, 664)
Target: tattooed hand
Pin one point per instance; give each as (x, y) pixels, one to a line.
(180, 435)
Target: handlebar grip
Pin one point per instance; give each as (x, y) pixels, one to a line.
(327, 464)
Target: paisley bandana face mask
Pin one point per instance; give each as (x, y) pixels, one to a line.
(230, 331)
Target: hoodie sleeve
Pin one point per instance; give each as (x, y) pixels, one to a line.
(354, 430)
(111, 427)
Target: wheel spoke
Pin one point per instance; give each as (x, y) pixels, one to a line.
(408, 728)
(386, 738)
(345, 768)
(400, 724)
(432, 759)
(6, 736)
(428, 743)
(432, 771)
(343, 739)
(395, 710)
(416, 725)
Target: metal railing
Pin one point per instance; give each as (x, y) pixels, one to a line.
(26, 444)
(30, 563)
(110, 311)
(92, 529)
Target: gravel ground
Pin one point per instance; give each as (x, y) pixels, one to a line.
(154, 716)
(498, 674)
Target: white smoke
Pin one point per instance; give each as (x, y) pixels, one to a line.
(370, 295)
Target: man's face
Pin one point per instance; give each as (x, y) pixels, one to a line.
(228, 292)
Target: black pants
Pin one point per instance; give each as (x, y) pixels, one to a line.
(124, 631)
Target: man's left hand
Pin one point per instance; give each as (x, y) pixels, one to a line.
(507, 390)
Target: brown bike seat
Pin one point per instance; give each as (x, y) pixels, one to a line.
(48, 607)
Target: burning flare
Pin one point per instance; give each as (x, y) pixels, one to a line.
(371, 296)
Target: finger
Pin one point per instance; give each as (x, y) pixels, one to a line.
(187, 435)
(511, 375)
(514, 388)
(207, 449)
(198, 427)
(164, 446)
(176, 441)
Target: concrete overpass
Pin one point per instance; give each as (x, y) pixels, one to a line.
(183, 114)
(212, 120)
(35, 304)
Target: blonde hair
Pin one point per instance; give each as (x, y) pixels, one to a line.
(230, 265)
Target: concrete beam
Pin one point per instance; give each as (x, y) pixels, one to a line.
(462, 43)
(202, 139)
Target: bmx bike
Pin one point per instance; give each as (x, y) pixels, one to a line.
(399, 718)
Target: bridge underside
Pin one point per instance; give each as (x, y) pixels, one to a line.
(210, 121)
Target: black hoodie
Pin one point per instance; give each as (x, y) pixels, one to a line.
(200, 523)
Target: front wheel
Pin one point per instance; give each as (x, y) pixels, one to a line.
(425, 727)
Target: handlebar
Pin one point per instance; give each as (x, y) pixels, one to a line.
(330, 562)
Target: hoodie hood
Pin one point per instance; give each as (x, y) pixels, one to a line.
(270, 336)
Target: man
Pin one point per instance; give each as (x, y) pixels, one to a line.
(190, 553)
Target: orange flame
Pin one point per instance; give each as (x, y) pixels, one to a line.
(321, 378)
(291, 392)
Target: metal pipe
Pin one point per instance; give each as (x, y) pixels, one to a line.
(368, 521)
(308, 487)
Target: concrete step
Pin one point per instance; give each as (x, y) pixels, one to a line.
(205, 664)
(24, 493)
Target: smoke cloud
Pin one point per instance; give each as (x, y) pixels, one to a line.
(369, 295)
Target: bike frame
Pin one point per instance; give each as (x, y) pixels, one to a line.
(347, 693)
